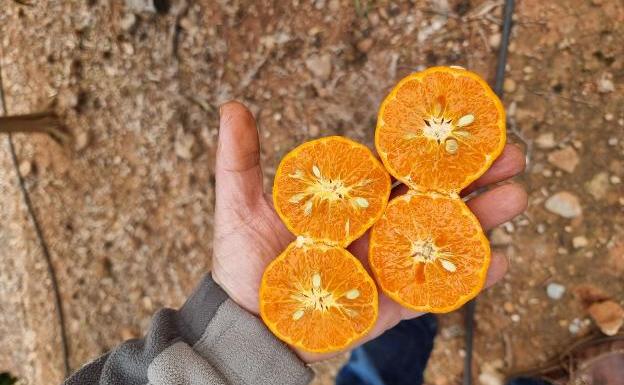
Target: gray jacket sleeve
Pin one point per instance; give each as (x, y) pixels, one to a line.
(210, 340)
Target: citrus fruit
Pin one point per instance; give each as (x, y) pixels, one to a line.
(331, 190)
(440, 129)
(428, 252)
(317, 297)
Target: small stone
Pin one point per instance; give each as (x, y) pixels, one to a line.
(494, 40)
(575, 326)
(508, 306)
(499, 237)
(566, 159)
(515, 318)
(564, 204)
(184, 146)
(25, 168)
(546, 141)
(579, 242)
(491, 378)
(614, 179)
(613, 141)
(319, 65)
(598, 185)
(609, 117)
(140, 5)
(365, 45)
(509, 85)
(127, 21)
(605, 84)
(527, 70)
(608, 315)
(541, 228)
(314, 130)
(555, 291)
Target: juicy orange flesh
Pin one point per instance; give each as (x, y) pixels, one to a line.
(424, 163)
(428, 252)
(330, 190)
(341, 308)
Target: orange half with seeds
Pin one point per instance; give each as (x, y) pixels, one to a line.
(318, 298)
(428, 252)
(330, 190)
(440, 129)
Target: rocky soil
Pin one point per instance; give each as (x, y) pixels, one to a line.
(127, 209)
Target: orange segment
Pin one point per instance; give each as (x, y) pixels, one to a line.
(331, 190)
(428, 252)
(440, 129)
(318, 298)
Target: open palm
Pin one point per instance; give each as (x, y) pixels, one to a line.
(249, 234)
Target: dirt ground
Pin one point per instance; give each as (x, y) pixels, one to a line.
(127, 211)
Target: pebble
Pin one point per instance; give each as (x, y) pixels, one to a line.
(598, 185)
(566, 159)
(515, 318)
(127, 21)
(494, 40)
(508, 306)
(491, 378)
(499, 237)
(608, 315)
(314, 130)
(579, 242)
(609, 117)
(605, 84)
(614, 179)
(319, 65)
(613, 141)
(82, 140)
(546, 141)
(564, 204)
(25, 168)
(575, 326)
(365, 45)
(509, 85)
(184, 146)
(541, 228)
(555, 290)
(140, 5)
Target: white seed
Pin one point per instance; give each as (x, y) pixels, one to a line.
(352, 294)
(465, 120)
(298, 174)
(448, 266)
(316, 171)
(307, 209)
(463, 134)
(300, 241)
(451, 146)
(297, 198)
(350, 312)
(298, 314)
(316, 280)
(361, 202)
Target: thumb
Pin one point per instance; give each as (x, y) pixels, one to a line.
(238, 175)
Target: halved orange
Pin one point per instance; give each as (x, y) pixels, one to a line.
(331, 190)
(440, 129)
(318, 297)
(428, 252)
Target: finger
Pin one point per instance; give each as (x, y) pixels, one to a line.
(511, 162)
(238, 174)
(498, 268)
(499, 205)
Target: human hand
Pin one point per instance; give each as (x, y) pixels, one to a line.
(248, 233)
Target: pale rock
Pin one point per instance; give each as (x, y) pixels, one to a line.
(564, 204)
(608, 315)
(614, 179)
(184, 146)
(605, 84)
(566, 159)
(598, 186)
(81, 140)
(319, 65)
(491, 378)
(494, 40)
(499, 237)
(365, 45)
(140, 5)
(509, 85)
(579, 242)
(127, 21)
(546, 141)
(555, 290)
(25, 168)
